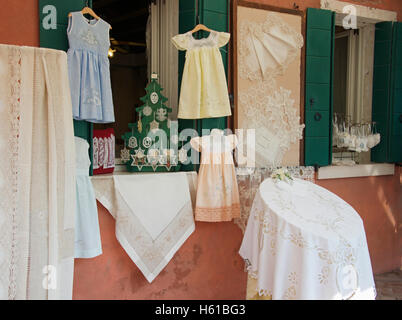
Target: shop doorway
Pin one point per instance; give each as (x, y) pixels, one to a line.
(128, 60)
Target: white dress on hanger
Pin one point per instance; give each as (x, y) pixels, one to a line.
(87, 235)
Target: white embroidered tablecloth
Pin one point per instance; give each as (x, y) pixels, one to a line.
(153, 213)
(304, 242)
(249, 180)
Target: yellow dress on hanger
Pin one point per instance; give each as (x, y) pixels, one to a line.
(204, 91)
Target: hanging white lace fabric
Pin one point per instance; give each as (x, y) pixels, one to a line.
(37, 175)
(266, 49)
(265, 52)
(12, 250)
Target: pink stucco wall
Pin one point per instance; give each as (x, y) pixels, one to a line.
(19, 22)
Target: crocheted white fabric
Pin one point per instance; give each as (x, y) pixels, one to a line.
(265, 51)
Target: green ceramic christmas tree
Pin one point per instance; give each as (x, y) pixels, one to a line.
(144, 148)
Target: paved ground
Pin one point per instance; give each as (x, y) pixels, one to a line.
(389, 285)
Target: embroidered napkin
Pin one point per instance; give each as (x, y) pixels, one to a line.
(153, 213)
(155, 199)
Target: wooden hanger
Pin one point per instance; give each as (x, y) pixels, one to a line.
(199, 27)
(88, 10)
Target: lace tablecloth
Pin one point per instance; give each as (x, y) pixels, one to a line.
(148, 233)
(249, 180)
(304, 242)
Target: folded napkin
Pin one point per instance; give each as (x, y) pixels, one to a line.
(153, 213)
(155, 199)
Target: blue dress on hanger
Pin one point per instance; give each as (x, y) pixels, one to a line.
(87, 233)
(89, 69)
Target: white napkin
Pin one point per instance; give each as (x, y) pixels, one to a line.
(155, 199)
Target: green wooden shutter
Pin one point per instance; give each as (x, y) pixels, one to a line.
(381, 88)
(319, 86)
(387, 92)
(396, 96)
(57, 39)
(188, 11)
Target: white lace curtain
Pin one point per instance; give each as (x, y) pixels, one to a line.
(162, 56)
(37, 175)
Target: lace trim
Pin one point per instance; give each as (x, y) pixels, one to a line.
(103, 154)
(255, 293)
(210, 42)
(14, 62)
(250, 28)
(217, 214)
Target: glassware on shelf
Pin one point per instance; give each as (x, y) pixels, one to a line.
(358, 137)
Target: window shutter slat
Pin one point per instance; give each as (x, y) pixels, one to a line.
(381, 88)
(396, 96)
(319, 86)
(187, 20)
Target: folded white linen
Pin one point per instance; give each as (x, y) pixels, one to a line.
(153, 213)
(155, 199)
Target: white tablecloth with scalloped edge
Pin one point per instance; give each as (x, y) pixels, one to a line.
(304, 242)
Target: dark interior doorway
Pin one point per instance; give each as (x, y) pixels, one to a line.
(128, 60)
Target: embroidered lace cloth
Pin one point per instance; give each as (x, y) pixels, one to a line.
(147, 227)
(37, 175)
(304, 242)
(265, 52)
(267, 49)
(262, 105)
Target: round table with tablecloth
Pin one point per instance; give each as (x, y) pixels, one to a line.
(304, 242)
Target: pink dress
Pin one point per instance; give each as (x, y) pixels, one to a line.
(217, 190)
